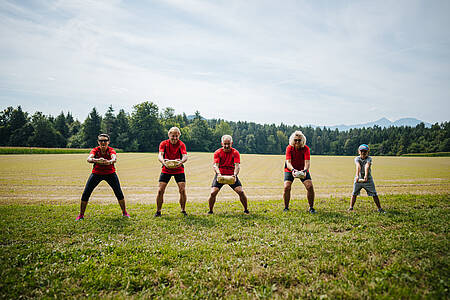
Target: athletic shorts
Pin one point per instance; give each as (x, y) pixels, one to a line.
(95, 179)
(289, 177)
(164, 177)
(220, 185)
(369, 186)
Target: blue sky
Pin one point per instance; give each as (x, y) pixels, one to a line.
(296, 62)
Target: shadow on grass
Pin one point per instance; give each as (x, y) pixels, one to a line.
(216, 219)
(109, 224)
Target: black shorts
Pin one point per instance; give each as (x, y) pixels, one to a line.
(164, 177)
(95, 179)
(220, 185)
(289, 177)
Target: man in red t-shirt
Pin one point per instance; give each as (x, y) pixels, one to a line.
(297, 159)
(172, 155)
(103, 157)
(227, 163)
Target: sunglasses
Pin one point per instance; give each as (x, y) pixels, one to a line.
(297, 140)
(103, 141)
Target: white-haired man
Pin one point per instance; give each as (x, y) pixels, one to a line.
(174, 151)
(297, 160)
(227, 163)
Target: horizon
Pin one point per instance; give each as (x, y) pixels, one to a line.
(116, 111)
(295, 62)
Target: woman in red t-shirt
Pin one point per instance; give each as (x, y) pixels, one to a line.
(103, 157)
(297, 160)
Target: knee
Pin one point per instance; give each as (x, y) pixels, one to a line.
(182, 190)
(161, 191)
(309, 187)
(214, 193)
(287, 189)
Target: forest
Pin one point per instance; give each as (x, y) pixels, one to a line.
(146, 126)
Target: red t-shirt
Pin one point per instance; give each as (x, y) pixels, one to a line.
(297, 157)
(172, 152)
(103, 169)
(226, 160)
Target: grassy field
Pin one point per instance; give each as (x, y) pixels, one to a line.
(429, 154)
(37, 150)
(267, 254)
(60, 179)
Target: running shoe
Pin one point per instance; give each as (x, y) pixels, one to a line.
(286, 209)
(210, 212)
(350, 209)
(246, 211)
(80, 218)
(312, 210)
(125, 214)
(381, 211)
(158, 214)
(184, 213)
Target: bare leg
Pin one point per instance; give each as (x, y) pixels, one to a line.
(287, 193)
(352, 201)
(309, 192)
(122, 206)
(377, 201)
(83, 207)
(242, 197)
(160, 196)
(212, 197)
(183, 196)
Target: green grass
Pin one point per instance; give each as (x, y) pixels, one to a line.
(38, 150)
(267, 254)
(437, 154)
(35, 150)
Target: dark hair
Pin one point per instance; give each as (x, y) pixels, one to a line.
(103, 135)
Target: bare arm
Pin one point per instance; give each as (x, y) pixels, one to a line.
(184, 158)
(161, 158)
(366, 171)
(289, 165)
(101, 161)
(237, 168)
(358, 170)
(307, 165)
(113, 159)
(216, 169)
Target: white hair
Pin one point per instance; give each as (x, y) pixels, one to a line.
(226, 137)
(297, 134)
(174, 129)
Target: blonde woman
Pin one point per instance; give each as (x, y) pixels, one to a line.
(298, 162)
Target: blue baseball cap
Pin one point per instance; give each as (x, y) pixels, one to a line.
(363, 147)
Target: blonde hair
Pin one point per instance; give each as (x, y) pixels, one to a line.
(226, 137)
(175, 129)
(299, 134)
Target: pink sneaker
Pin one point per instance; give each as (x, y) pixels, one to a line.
(125, 214)
(80, 218)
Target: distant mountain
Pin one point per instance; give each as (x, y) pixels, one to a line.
(383, 122)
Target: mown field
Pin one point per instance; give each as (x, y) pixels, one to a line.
(267, 254)
(60, 178)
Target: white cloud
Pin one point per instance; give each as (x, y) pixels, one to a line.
(258, 61)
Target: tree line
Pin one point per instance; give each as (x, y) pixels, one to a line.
(147, 126)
